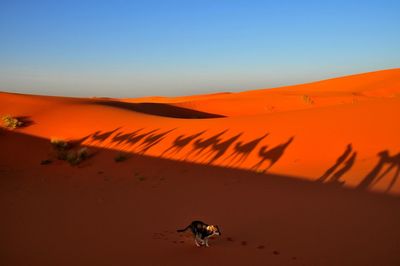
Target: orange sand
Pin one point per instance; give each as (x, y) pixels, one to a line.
(309, 172)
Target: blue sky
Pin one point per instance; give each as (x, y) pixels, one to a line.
(137, 48)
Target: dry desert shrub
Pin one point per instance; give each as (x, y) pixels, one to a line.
(307, 99)
(64, 152)
(59, 144)
(11, 122)
(61, 148)
(76, 157)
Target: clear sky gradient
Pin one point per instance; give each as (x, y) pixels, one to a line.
(137, 48)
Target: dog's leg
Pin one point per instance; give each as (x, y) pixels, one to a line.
(195, 241)
(206, 242)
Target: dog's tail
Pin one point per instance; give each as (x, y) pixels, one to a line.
(183, 230)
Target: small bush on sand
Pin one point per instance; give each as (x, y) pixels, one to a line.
(307, 99)
(72, 158)
(120, 157)
(64, 152)
(83, 153)
(61, 147)
(11, 122)
(76, 157)
(59, 144)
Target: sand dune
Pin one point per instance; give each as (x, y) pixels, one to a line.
(337, 91)
(299, 175)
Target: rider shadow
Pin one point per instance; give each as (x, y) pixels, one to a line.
(219, 149)
(181, 142)
(153, 140)
(202, 144)
(243, 150)
(132, 140)
(272, 155)
(100, 137)
(120, 138)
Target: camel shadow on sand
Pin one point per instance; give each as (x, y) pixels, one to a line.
(378, 172)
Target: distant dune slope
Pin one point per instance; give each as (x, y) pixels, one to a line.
(342, 131)
(349, 89)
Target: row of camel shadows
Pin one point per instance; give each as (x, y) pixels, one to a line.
(202, 149)
(197, 147)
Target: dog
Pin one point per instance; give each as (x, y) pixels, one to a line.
(201, 232)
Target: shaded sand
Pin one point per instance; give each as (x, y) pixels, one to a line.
(108, 213)
(301, 175)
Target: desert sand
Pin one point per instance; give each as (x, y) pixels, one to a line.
(297, 175)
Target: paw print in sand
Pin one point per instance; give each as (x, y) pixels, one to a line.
(160, 236)
(258, 247)
(169, 236)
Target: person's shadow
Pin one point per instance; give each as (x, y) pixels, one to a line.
(334, 177)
